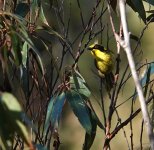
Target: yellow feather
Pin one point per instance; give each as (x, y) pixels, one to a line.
(104, 63)
(104, 60)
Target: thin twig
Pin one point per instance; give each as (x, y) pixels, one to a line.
(112, 135)
(141, 135)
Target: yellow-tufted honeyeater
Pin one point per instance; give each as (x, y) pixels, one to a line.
(104, 63)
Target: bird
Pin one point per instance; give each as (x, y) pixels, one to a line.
(104, 62)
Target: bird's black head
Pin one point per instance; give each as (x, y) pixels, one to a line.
(96, 46)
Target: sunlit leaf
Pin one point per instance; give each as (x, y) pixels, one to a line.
(54, 111)
(12, 115)
(42, 16)
(80, 109)
(24, 53)
(10, 102)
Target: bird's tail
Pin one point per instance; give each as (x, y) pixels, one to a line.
(109, 81)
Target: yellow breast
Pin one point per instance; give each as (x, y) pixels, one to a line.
(104, 61)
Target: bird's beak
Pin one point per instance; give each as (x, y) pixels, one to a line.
(91, 47)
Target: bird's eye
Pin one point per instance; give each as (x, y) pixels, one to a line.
(96, 46)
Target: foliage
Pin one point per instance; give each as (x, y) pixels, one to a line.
(41, 44)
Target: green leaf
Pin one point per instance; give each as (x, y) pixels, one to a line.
(54, 111)
(150, 1)
(22, 9)
(80, 109)
(137, 6)
(16, 44)
(151, 112)
(24, 53)
(42, 16)
(26, 38)
(148, 73)
(40, 147)
(89, 138)
(96, 119)
(145, 79)
(23, 34)
(50, 31)
(12, 115)
(35, 8)
(78, 84)
(25, 80)
(10, 102)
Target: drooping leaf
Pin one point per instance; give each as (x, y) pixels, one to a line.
(113, 4)
(145, 79)
(137, 6)
(149, 71)
(80, 109)
(134, 37)
(42, 16)
(78, 84)
(151, 112)
(54, 33)
(40, 147)
(26, 38)
(96, 119)
(54, 111)
(35, 8)
(89, 138)
(12, 115)
(24, 53)
(150, 1)
(22, 9)
(25, 80)
(23, 34)
(16, 45)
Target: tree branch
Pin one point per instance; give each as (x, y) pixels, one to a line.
(126, 45)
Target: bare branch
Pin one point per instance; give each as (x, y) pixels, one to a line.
(126, 45)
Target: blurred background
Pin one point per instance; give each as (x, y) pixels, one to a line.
(42, 41)
(71, 12)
